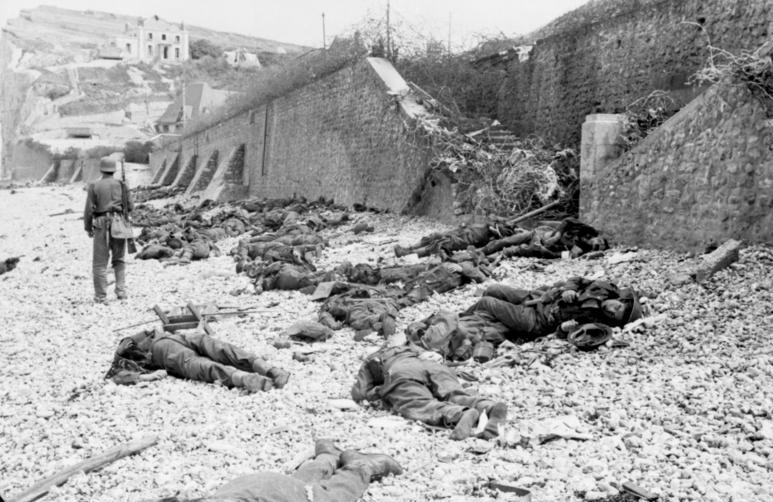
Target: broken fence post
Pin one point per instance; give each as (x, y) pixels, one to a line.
(88, 465)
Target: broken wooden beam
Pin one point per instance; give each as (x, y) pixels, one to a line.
(534, 213)
(91, 464)
(709, 264)
(718, 259)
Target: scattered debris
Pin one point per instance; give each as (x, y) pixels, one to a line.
(9, 264)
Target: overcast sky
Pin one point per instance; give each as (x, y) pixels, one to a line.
(299, 21)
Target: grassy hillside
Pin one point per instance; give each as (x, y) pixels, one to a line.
(63, 31)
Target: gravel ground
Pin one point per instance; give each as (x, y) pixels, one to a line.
(686, 410)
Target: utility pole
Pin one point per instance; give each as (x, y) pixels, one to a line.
(388, 39)
(182, 79)
(449, 33)
(324, 39)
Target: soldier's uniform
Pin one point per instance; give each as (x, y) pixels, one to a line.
(103, 202)
(197, 356)
(419, 389)
(531, 314)
(331, 476)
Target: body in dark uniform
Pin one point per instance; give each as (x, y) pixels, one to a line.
(103, 203)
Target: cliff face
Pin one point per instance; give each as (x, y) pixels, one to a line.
(53, 81)
(13, 92)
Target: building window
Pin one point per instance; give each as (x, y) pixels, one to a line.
(177, 38)
(150, 36)
(177, 53)
(163, 36)
(150, 50)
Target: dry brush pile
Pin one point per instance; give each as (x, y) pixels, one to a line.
(504, 181)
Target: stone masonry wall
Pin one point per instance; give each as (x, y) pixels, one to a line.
(704, 176)
(343, 138)
(608, 62)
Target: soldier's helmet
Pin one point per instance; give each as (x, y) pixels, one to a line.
(107, 165)
(633, 307)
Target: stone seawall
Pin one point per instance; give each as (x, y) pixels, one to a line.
(605, 62)
(347, 137)
(704, 176)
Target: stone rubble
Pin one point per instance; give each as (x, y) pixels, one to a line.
(685, 410)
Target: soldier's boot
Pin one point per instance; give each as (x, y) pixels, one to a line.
(279, 377)
(372, 466)
(326, 446)
(252, 382)
(465, 425)
(497, 416)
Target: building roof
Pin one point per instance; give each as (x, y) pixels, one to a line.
(157, 24)
(200, 98)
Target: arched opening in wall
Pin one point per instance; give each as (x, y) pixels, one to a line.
(169, 176)
(207, 172)
(187, 174)
(235, 171)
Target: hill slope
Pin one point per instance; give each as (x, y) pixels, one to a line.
(51, 80)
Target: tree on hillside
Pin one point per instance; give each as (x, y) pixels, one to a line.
(202, 47)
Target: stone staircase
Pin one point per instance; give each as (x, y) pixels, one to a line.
(499, 136)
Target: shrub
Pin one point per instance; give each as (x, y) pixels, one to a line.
(645, 114)
(453, 81)
(97, 152)
(202, 47)
(137, 151)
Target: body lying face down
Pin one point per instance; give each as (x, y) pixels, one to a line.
(194, 356)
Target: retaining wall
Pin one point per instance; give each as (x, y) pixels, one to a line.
(704, 176)
(347, 137)
(619, 53)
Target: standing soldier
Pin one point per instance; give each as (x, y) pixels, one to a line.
(105, 202)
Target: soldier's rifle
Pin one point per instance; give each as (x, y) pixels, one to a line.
(211, 314)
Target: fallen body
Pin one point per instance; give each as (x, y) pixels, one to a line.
(418, 388)
(571, 236)
(507, 313)
(332, 475)
(195, 356)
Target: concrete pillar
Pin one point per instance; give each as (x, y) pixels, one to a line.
(601, 143)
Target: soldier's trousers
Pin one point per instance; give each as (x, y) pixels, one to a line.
(429, 392)
(318, 480)
(105, 247)
(504, 304)
(518, 238)
(198, 356)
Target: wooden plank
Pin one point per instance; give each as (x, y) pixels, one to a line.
(204, 324)
(173, 319)
(92, 464)
(161, 314)
(172, 327)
